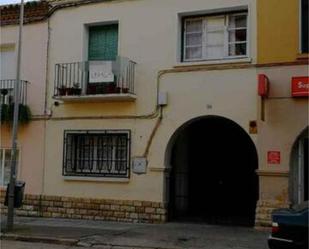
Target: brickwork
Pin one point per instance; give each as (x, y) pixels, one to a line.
(264, 209)
(90, 208)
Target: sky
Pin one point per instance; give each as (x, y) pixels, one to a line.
(3, 2)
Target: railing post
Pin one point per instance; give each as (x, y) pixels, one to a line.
(84, 73)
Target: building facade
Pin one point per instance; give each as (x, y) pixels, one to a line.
(32, 92)
(158, 114)
(283, 112)
(154, 114)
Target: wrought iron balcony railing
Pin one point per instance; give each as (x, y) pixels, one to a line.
(7, 91)
(93, 79)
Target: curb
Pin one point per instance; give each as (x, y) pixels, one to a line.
(59, 241)
(69, 242)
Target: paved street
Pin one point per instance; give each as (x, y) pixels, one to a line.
(107, 235)
(5, 244)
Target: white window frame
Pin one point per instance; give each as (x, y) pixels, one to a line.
(226, 37)
(2, 163)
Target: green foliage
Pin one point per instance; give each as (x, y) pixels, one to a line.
(4, 113)
(7, 113)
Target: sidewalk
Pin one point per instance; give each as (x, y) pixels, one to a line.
(102, 234)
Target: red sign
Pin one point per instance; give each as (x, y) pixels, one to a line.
(273, 157)
(300, 86)
(263, 85)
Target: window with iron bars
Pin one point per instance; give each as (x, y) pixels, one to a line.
(97, 153)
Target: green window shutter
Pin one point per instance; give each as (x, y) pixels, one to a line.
(103, 42)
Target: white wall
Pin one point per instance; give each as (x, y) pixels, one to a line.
(149, 35)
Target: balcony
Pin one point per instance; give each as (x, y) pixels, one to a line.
(95, 81)
(7, 92)
(7, 102)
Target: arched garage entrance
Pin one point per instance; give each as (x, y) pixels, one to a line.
(212, 178)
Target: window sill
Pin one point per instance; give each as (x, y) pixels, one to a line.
(214, 62)
(95, 179)
(304, 56)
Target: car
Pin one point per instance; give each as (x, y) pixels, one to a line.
(290, 228)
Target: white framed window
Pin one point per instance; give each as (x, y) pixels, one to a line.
(5, 163)
(215, 37)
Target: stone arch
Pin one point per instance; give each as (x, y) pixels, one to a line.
(187, 135)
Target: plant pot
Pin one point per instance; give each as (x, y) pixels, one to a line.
(91, 89)
(77, 91)
(118, 89)
(111, 89)
(4, 92)
(70, 91)
(62, 91)
(125, 90)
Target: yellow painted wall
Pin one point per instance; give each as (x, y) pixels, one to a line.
(285, 119)
(277, 27)
(30, 138)
(31, 146)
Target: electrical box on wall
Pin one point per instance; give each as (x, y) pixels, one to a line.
(162, 98)
(139, 165)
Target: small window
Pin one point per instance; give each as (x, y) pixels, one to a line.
(304, 26)
(215, 37)
(103, 42)
(96, 153)
(5, 163)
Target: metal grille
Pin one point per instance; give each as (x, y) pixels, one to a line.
(7, 91)
(96, 153)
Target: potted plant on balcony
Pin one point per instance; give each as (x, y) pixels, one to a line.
(77, 89)
(4, 113)
(91, 88)
(4, 92)
(62, 90)
(7, 113)
(24, 114)
(111, 88)
(125, 90)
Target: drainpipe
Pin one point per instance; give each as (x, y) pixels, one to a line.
(46, 114)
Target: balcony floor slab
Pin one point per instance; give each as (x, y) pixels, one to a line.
(119, 97)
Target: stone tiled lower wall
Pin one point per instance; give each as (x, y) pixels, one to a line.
(89, 208)
(114, 210)
(264, 209)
